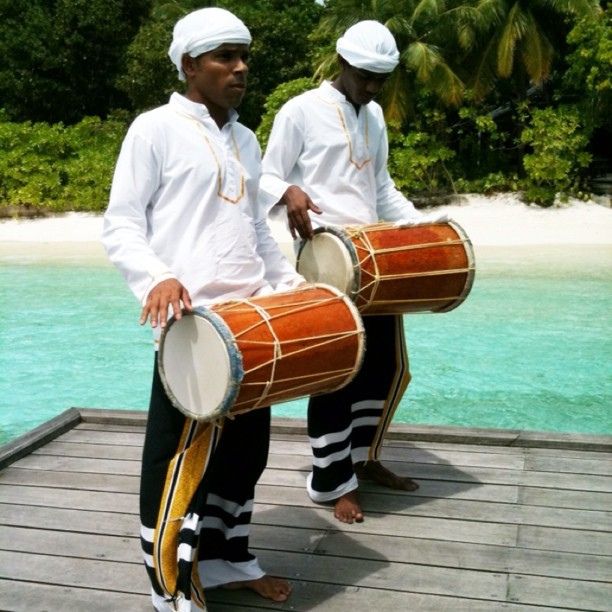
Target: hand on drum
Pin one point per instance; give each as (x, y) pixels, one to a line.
(298, 204)
(167, 293)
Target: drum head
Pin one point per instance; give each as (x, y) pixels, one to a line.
(326, 259)
(200, 366)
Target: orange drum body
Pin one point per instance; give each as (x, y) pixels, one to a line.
(243, 354)
(393, 270)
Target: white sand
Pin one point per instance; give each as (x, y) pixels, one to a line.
(500, 221)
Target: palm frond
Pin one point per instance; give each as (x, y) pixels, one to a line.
(421, 58)
(536, 52)
(447, 85)
(396, 98)
(482, 73)
(513, 31)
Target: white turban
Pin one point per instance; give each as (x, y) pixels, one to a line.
(205, 30)
(369, 45)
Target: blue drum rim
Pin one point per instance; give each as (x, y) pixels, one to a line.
(235, 364)
(343, 236)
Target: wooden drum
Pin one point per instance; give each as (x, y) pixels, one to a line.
(244, 354)
(387, 269)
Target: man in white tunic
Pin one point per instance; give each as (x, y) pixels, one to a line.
(327, 155)
(184, 228)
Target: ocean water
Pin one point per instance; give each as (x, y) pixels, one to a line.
(530, 348)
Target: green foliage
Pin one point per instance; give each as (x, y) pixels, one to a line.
(59, 168)
(60, 58)
(589, 73)
(558, 141)
(418, 159)
(514, 40)
(273, 104)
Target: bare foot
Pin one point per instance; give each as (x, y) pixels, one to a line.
(377, 472)
(276, 589)
(347, 508)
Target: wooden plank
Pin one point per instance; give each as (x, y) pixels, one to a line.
(570, 465)
(70, 544)
(381, 574)
(468, 510)
(130, 577)
(441, 509)
(417, 455)
(586, 500)
(481, 557)
(127, 524)
(473, 474)
(107, 451)
(476, 435)
(396, 443)
(66, 498)
(318, 597)
(427, 488)
(415, 470)
(530, 496)
(335, 543)
(18, 596)
(495, 450)
(406, 505)
(568, 540)
(102, 437)
(78, 464)
(565, 594)
(81, 573)
(65, 519)
(125, 428)
(389, 524)
(71, 480)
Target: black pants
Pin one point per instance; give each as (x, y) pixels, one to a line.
(196, 498)
(349, 425)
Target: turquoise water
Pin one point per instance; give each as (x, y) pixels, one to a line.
(530, 349)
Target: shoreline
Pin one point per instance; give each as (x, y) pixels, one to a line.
(493, 223)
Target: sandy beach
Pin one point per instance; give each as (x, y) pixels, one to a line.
(495, 221)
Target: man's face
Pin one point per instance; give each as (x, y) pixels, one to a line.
(361, 86)
(218, 78)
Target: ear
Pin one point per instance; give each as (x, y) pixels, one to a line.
(189, 65)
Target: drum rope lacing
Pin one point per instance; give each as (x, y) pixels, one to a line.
(324, 339)
(370, 255)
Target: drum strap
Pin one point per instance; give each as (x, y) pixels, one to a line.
(400, 383)
(183, 477)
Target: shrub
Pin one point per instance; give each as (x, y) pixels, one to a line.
(558, 144)
(58, 168)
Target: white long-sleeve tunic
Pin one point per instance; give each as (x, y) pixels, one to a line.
(337, 156)
(183, 204)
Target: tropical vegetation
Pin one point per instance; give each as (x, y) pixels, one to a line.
(490, 95)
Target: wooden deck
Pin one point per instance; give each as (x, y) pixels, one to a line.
(508, 521)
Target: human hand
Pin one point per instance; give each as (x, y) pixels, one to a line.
(167, 293)
(298, 204)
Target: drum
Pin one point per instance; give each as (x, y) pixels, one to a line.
(243, 354)
(387, 269)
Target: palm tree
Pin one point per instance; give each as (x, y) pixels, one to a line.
(499, 34)
(422, 30)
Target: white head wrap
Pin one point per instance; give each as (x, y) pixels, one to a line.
(205, 30)
(369, 45)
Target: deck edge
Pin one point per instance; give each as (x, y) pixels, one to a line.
(39, 436)
(68, 419)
